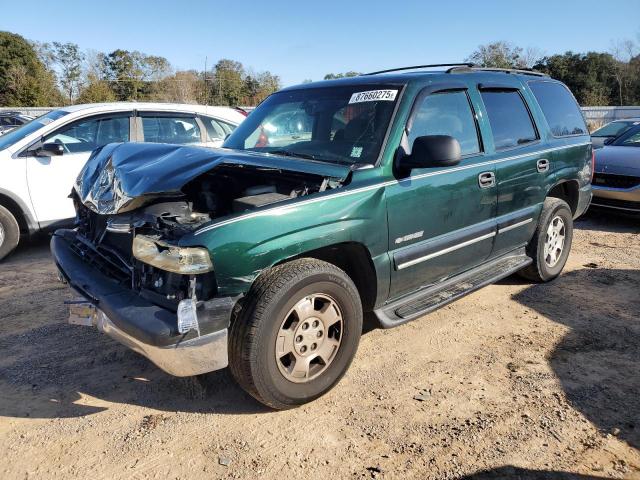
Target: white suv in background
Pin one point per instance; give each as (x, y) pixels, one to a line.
(40, 160)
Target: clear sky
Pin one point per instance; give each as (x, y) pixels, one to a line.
(300, 40)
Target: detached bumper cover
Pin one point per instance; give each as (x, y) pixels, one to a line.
(142, 326)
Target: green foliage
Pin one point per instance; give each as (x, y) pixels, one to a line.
(333, 76)
(24, 79)
(96, 90)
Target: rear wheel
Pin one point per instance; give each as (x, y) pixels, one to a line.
(296, 333)
(549, 248)
(9, 232)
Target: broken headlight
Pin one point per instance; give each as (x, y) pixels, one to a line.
(185, 260)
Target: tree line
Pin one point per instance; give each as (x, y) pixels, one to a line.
(50, 74)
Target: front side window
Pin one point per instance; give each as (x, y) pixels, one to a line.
(166, 129)
(511, 124)
(87, 135)
(344, 125)
(447, 113)
(559, 108)
(217, 129)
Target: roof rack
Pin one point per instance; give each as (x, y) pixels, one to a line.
(453, 65)
(471, 68)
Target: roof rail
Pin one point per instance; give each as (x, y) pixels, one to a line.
(472, 68)
(453, 65)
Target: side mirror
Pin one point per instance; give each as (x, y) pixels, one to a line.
(433, 151)
(49, 150)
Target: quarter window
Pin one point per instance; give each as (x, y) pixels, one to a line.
(87, 135)
(165, 129)
(559, 108)
(447, 113)
(509, 117)
(217, 129)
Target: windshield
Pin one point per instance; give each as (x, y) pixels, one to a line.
(343, 125)
(614, 129)
(21, 132)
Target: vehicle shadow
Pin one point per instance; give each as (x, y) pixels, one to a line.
(509, 473)
(606, 221)
(597, 360)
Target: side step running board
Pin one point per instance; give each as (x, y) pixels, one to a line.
(435, 296)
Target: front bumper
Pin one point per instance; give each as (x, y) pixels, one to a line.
(142, 326)
(621, 199)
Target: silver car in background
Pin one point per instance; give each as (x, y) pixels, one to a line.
(616, 181)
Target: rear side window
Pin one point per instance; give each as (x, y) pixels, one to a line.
(509, 117)
(166, 129)
(217, 129)
(447, 113)
(559, 108)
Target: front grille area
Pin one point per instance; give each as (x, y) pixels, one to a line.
(615, 181)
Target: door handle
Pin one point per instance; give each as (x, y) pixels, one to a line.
(486, 179)
(542, 165)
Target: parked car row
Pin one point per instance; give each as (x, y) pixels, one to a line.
(40, 161)
(11, 120)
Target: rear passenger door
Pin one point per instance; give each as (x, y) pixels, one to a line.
(521, 164)
(441, 219)
(170, 127)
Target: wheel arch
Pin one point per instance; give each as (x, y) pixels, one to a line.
(19, 211)
(567, 190)
(356, 261)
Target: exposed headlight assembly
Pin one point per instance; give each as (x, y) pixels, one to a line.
(185, 260)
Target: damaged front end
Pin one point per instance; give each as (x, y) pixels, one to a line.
(134, 204)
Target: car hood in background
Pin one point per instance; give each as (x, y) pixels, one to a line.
(618, 160)
(121, 177)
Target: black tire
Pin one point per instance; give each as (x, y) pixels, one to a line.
(9, 232)
(540, 270)
(252, 343)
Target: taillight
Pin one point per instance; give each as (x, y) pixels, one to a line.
(593, 164)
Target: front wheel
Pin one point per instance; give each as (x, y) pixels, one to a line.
(296, 333)
(9, 232)
(549, 248)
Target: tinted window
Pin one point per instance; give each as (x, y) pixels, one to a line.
(217, 129)
(87, 135)
(163, 129)
(614, 129)
(559, 108)
(510, 121)
(630, 139)
(447, 114)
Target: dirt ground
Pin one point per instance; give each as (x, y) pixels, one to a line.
(513, 381)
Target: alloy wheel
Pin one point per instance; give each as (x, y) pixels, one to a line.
(554, 242)
(309, 338)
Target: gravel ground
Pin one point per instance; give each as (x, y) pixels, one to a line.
(515, 380)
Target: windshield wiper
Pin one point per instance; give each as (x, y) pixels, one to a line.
(288, 153)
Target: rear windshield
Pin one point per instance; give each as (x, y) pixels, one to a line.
(21, 132)
(341, 124)
(559, 108)
(614, 129)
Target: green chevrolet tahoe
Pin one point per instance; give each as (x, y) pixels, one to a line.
(393, 193)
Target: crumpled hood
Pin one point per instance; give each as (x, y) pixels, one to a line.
(618, 160)
(121, 177)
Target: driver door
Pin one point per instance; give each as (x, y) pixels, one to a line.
(51, 178)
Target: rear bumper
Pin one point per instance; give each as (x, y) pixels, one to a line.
(142, 326)
(584, 200)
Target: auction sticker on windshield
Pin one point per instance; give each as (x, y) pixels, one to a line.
(373, 96)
